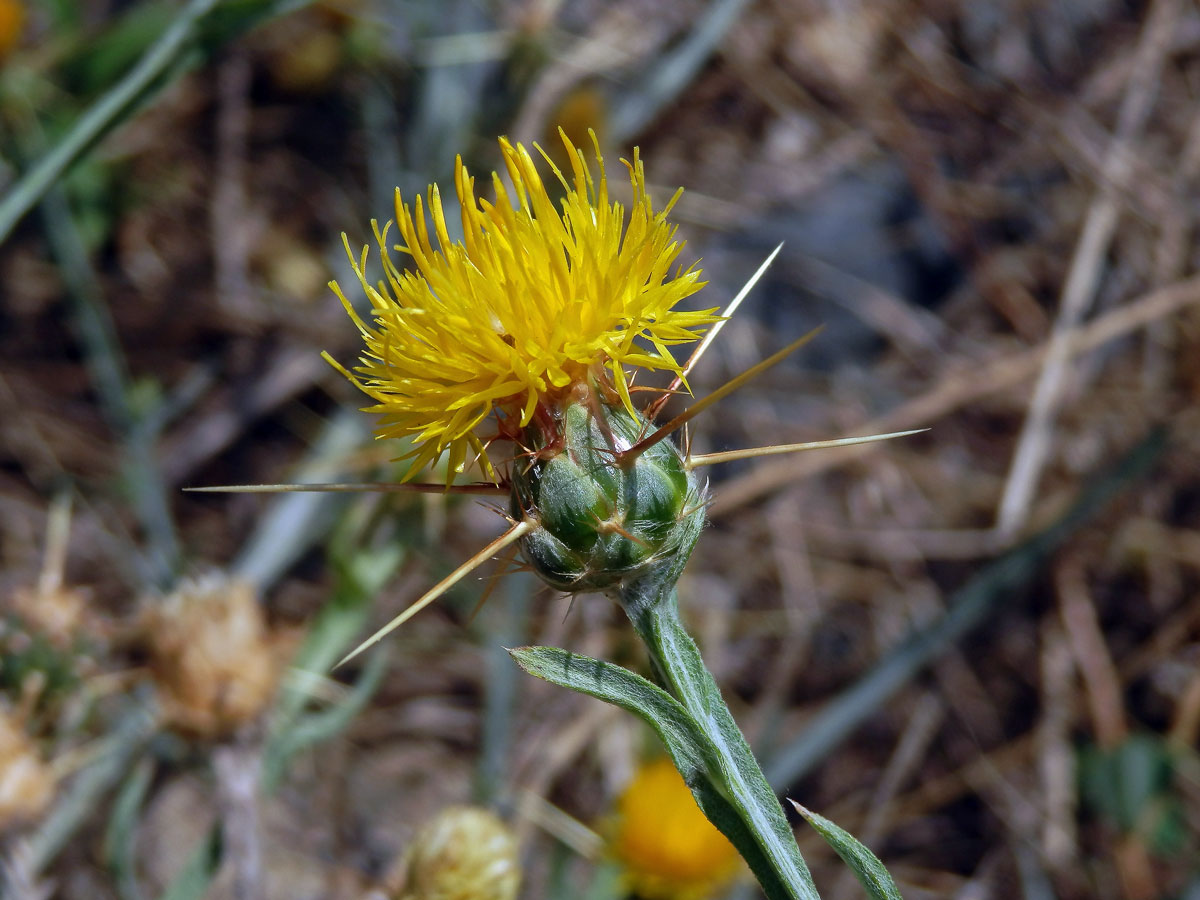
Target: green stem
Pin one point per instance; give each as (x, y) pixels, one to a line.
(653, 609)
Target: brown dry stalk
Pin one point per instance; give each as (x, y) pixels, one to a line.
(1083, 278)
(1055, 753)
(1081, 625)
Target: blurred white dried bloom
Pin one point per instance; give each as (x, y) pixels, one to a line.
(465, 853)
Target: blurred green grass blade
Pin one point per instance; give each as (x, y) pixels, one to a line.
(503, 624)
(197, 874)
(79, 800)
(233, 18)
(101, 58)
(335, 627)
(120, 852)
(331, 632)
(201, 25)
(1035, 883)
(865, 864)
(295, 523)
(316, 727)
(683, 740)
(673, 72)
(607, 882)
(998, 581)
(341, 620)
(140, 473)
(65, 13)
(106, 112)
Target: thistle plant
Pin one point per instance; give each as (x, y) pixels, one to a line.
(526, 335)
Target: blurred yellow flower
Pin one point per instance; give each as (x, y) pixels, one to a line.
(667, 848)
(12, 19)
(532, 302)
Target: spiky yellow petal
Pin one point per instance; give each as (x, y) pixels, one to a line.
(531, 300)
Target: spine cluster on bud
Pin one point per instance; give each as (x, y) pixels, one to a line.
(605, 516)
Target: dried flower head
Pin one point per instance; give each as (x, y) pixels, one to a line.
(532, 302)
(26, 780)
(465, 853)
(666, 847)
(215, 662)
(55, 610)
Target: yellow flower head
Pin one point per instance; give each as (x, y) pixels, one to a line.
(533, 301)
(666, 846)
(12, 19)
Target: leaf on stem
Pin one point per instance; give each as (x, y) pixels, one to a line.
(683, 739)
(854, 853)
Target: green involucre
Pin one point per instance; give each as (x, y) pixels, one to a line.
(602, 524)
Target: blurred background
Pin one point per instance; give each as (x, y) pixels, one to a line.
(977, 648)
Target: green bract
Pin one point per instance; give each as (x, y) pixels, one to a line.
(602, 524)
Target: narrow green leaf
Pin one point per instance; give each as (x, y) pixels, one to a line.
(206, 24)
(84, 793)
(336, 625)
(622, 688)
(854, 853)
(685, 742)
(313, 728)
(193, 880)
(332, 629)
(119, 839)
